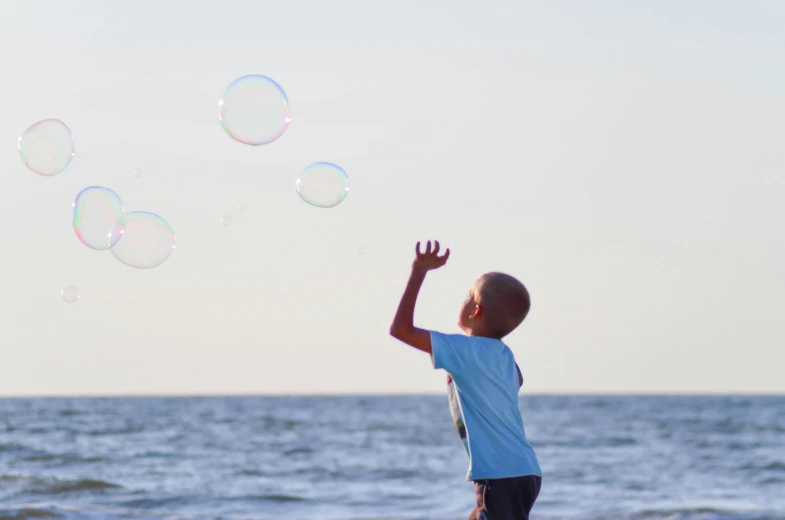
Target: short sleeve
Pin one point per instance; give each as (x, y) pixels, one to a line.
(452, 352)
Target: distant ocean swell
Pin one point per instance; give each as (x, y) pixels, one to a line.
(62, 512)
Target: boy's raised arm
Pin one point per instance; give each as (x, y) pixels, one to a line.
(402, 327)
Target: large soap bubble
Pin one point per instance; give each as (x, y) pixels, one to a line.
(254, 110)
(323, 184)
(146, 240)
(47, 147)
(96, 213)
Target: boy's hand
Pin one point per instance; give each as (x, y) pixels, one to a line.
(429, 260)
(402, 326)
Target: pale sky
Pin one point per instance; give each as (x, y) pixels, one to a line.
(625, 160)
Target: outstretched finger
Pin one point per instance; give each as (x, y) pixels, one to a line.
(436, 247)
(447, 254)
(428, 248)
(417, 250)
(441, 260)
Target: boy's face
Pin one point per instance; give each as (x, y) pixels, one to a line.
(469, 312)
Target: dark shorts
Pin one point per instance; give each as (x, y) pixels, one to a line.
(506, 498)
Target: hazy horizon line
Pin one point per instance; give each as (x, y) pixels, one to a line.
(388, 394)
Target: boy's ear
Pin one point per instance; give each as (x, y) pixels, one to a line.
(477, 312)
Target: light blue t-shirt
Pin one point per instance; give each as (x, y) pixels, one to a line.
(483, 387)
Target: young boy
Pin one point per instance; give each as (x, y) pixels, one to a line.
(483, 382)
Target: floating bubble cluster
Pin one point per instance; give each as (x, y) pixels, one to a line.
(253, 110)
(139, 239)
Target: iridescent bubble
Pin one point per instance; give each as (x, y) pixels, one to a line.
(96, 212)
(360, 250)
(138, 173)
(70, 294)
(254, 110)
(323, 184)
(226, 220)
(147, 240)
(47, 147)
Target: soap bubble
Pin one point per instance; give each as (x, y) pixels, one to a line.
(360, 250)
(242, 207)
(47, 147)
(254, 110)
(147, 240)
(96, 212)
(70, 294)
(138, 173)
(226, 220)
(323, 184)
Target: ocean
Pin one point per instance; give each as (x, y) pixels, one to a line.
(363, 458)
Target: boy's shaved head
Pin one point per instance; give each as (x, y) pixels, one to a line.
(505, 301)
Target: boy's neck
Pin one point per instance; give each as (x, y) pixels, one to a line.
(480, 334)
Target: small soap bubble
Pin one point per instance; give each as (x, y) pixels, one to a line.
(254, 110)
(242, 207)
(138, 173)
(70, 294)
(47, 147)
(226, 220)
(147, 240)
(360, 250)
(323, 184)
(96, 212)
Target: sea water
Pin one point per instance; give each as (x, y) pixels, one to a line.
(355, 457)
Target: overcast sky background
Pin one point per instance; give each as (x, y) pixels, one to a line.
(625, 160)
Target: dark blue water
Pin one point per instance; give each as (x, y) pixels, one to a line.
(641, 458)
